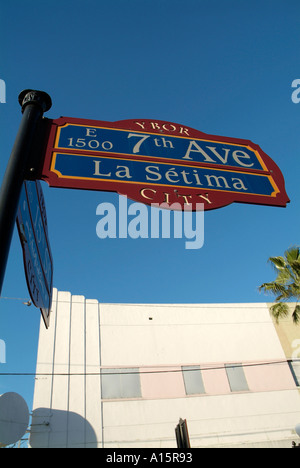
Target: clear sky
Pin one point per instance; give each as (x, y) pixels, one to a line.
(224, 67)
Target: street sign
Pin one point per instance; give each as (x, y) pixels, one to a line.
(160, 162)
(33, 233)
(182, 434)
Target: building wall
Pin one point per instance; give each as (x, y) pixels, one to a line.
(121, 375)
(289, 334)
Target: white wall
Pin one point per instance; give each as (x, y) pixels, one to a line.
(67, 407)
(85, 337)
(187, 334)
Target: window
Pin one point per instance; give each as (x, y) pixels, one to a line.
(120, 383)
(236, 377)
(295, 370)
(193, 381)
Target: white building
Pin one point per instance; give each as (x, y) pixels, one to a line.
(121, 376)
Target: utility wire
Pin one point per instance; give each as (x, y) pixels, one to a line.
(14, 298)
(105, 371)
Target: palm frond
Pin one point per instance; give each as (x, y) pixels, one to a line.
(296, 267)
(286, 285)
(294, 290)
(279, 311)
(278, 262)
(292, 254)
(283, 277)
(273, 288)
(296, 315)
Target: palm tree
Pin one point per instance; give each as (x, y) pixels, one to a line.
(287, 284)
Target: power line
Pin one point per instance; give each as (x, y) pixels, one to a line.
(14, 298)
(103, 371)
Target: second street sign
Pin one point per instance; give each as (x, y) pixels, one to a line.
(33, 232)
(160, 162)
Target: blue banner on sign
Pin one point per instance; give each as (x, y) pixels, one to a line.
(134, 171)
(128, 143)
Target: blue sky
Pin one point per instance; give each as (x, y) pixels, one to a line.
(224, 67)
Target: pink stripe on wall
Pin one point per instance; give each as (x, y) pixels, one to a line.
(168, 382)
(157, 382)
(269, 377)
(215, 381)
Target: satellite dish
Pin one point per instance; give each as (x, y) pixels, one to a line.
(14, 418)
(297, 429)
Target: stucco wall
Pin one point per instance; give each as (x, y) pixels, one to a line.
(86, 338)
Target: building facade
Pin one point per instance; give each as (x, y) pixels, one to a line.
(289, 335)
(122, 375)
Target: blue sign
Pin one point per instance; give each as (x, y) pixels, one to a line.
(126, 143)
(33, 233)
(145, 172)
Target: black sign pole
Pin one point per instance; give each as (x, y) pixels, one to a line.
(34, 104)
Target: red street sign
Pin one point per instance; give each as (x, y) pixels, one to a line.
(157, 162)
